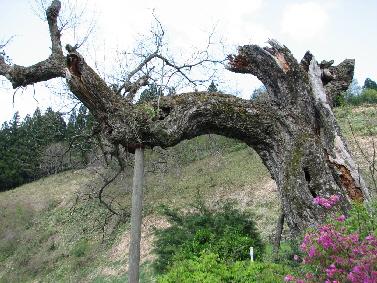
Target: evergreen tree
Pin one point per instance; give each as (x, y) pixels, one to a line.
(354, 89)
(258, 91)
(171, 91)
(53, 126)
(150, 93)
(370, 84)
(11, 158)
(83, 126)
(22, 146)
(71, 125)
(212, 87)
(38, 145)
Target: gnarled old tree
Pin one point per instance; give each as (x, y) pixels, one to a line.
(293, 129)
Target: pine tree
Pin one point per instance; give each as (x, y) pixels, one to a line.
(370, 84)
(212, 87)
(151, 93)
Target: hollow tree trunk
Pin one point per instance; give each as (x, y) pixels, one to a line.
(136, 216)
(308, 157)
(292, 128)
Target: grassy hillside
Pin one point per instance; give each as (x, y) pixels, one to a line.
(359, 126)
(55, 230)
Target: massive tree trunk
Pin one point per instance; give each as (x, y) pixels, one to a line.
(292, 127)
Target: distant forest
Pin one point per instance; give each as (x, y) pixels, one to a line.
(43, 144)
(48, 143)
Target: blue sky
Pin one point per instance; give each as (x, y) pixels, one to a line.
(330, 29)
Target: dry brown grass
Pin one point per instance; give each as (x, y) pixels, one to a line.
(56, 189)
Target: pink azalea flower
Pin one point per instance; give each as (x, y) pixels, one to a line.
(337, 255)
(341, 218)
(331, 270)
(289, 278)
(317, 200)
(334, 199)
(312, 251)
(327, 203)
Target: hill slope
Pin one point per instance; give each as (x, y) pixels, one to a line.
(55, 230)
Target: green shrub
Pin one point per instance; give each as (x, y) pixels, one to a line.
(289, 249)
(367, 96)
(223, 230)
(243, 272)
(231, 245)
(362, 220)
(208, 267)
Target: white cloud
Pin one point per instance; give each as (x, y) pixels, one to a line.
(304, 20)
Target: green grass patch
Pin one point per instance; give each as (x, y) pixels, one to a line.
(358, 121)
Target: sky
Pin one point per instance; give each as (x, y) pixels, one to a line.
(330, 29)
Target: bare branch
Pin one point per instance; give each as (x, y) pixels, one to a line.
(50, 68)
(2, 45)
(127, 83)
(102, 189)
(132, 89)
(52, 14)
(177, 69)
(165, 70)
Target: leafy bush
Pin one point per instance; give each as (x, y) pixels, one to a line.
(205, 268)
(247, 271)
(343, 250)
(208, 267)
(362, 220)
(231, 245)
(224, 231)
(368, 96)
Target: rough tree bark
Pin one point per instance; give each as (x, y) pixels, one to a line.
(136, 216)
(293, 129)
(278, 232)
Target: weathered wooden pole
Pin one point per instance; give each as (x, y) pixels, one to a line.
(136, 216)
